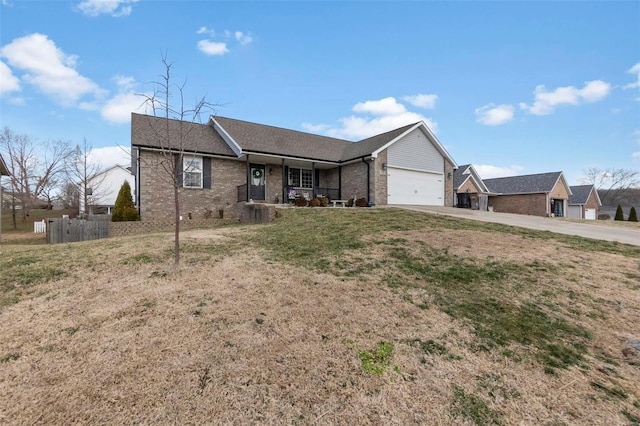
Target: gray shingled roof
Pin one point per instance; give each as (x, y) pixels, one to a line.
(526, 184)
(580, 194)
(369, 145)
(3, 168)
(259, 138)
(148, 131)
(459, 177)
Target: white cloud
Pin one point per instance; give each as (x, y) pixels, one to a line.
(118, 109)
(8, 81)
(489, 172)
(212, 47)
(422, 101)
(243, 38)
(315, 128)
(493, 115)
(634, 70)
(18, 101)
(635, 156)
(545, 101)
(386, 106)
(115, 8)
(49, 69)
(375, 117)
(109, 156)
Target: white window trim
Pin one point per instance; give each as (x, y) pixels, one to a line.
(186, 166)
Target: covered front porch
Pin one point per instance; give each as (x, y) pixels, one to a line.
(281, 180)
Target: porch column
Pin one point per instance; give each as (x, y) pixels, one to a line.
(313, 179)
(285, 194)
(339, 182)
(248, 178)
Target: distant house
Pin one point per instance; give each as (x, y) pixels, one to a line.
(543, 194)
(4, 171)
(584, 202)
(228, 161)
(103, 188)
(469, 188)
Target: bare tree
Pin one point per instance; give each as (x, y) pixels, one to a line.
(84, 172)
(169, 168)
(34, 167)
(612, 184)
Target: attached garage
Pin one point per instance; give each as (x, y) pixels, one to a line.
(416, 171)
(415, 187)
(575, 212)
(590, 214)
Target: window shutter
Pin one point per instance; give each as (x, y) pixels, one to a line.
(316, 178)
(286, 176)
(179, 170)
(206, 172)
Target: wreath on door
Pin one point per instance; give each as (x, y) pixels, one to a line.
(257, 173)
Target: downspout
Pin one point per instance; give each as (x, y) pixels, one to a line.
(248, 178)
(138, 184)
(368, 179)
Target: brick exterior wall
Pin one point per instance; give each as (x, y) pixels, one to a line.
(531, 204)
(156, 191)
(448, 184)
(380, 180)
(468, 185)
(559, 191)
(354, 180)
(121, 229)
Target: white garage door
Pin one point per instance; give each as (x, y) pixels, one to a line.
(415, 188)
(590, 214)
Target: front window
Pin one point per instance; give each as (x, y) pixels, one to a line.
(192, 175)
(301, 178)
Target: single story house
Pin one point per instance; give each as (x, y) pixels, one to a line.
(4, 171)
(227, 161)
(543, 194)
(104, 188)
(584, 202)
(470, 190)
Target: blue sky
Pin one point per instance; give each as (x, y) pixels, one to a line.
(511, 87)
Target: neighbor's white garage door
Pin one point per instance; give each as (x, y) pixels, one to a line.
(416, 188)
(590, 214)
(575, 212)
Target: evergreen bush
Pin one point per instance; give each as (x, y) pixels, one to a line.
(619, 214)
(124, 210)
(633, 216)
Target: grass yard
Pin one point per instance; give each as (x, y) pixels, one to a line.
(326, 316)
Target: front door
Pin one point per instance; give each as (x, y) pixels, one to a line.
(257, 182)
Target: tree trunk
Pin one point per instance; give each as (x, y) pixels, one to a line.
(176, 236)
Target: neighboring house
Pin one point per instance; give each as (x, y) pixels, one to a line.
(584, 202)
(470, 190)
(228, 161)
(4, 171)
(543, 194)
(103, 189)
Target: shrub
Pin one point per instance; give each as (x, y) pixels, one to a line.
(315, 202)
(124, 209)
(619, 214)
(361, 202)
(324, 201)
(633, 216)
(301, 202)
(350, 202)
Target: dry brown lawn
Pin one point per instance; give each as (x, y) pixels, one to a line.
(108, 332)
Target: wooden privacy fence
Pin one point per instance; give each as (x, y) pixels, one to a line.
(73, 230)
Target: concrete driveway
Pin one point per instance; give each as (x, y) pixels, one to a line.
(596, 230)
